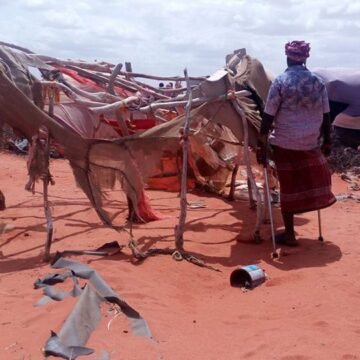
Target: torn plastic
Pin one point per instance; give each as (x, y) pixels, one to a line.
(107, 249)
(77, 328)
(55, 347)
(70, 341)
(52, 293)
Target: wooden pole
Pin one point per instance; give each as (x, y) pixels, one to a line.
(251, 177)
(46, 179)
(112, 78)
(2, 134)
(109, 108)
(49, 222)
(2, 201)
(179, 229)
(196, 101)
(232, 184)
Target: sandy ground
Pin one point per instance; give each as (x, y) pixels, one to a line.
(307, 309)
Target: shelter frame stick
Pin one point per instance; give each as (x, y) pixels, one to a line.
(112, 78)
(232, 183)
(251, 178)
(179, 229)
(47, 209)
(49, 222)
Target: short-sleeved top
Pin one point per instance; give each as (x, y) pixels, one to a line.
(297, 99)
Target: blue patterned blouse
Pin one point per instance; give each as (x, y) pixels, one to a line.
(297, 99)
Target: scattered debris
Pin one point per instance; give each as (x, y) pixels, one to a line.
(247, 277)
(86, 315)
(107, 249)
(342, 197)
(196, 205)
(344, 159)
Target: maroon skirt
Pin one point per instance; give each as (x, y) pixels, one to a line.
(305, 180)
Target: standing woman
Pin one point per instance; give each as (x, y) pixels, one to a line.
(297, 111)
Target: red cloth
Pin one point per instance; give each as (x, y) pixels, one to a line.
(133, 126)
(146, 212)
(297, 50)
(80, 79)
(305, 180)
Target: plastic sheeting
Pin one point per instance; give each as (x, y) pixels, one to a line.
(343, 85)
(86, 315)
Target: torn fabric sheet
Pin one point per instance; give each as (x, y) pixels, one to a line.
(74, 334)
(69, 342)
(138, 324)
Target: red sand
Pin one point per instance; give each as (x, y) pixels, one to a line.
(308, 309)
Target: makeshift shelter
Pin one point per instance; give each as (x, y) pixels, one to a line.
(226, 114)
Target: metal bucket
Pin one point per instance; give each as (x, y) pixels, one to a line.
(248, 276)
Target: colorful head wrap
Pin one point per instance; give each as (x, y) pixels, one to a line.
(297, 50)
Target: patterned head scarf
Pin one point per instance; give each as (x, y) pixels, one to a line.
(297, 50)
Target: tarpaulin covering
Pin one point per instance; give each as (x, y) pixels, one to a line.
(343, 85)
